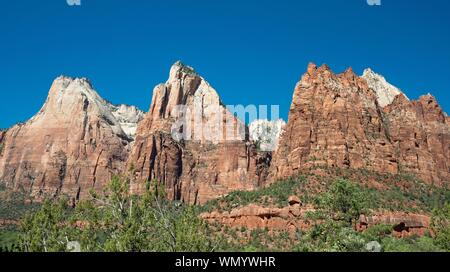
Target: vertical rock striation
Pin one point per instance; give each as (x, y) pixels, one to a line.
(338, 121)
(215, 160)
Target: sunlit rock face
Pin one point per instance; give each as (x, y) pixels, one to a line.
(209, 155)
(75, 143)
(339, 121)
(128, 118)
(385, 91)
(199, 150)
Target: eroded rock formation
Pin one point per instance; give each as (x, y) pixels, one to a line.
(214, 160)
(78, 140)
(421, 138)
(295, 217)
(337, 121)
(384, 91)
(72, 145)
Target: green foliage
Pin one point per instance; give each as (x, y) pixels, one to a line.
(413, 244)
(119, 222)
(440, 225)
(401, 192)
(338, 209)
(341, 206)
(344, 199)
(276, 194)
(377, 232)
(9, 241)
(331, 236)
(15, 204)
(339, 203)
(44, 231)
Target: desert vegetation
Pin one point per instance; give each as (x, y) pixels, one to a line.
(119, 222)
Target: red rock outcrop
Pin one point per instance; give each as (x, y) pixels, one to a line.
(404, 224)
(72, 145)
(255, 217)
(335, 120)
(294, 217)
(421, 137)
(214, 159)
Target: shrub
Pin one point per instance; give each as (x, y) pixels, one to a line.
(344, 199)
(119, 222)
(440, 225)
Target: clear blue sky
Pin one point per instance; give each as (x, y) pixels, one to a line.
(251, 51)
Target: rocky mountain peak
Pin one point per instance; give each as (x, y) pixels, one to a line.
(315, 74)
(356, 122)
(430, 110)
(75, 143)
(71, 96)
(188, 94)
(179, 70)
(192, 144)
(385, 91)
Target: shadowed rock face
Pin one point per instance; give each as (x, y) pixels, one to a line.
(336, 120)
(201, 168)
(72, 145)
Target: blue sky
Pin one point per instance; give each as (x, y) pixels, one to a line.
(251, 51)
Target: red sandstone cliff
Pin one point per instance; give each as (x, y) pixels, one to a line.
(78, 141)
(336, 120)
(421, 138)
(72, 145)
(213, 162)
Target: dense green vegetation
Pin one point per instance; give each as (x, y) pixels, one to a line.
(338, 209)
(14, 205)
(398, 192)
(117, 221)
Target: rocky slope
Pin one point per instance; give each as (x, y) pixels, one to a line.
(75, 143)
(205, 156)
(337, 121)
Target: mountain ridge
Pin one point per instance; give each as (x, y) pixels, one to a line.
(335, 120)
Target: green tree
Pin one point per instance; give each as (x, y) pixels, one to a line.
(44, 231)
(345, 200)
(118, 221)
(440, 224)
